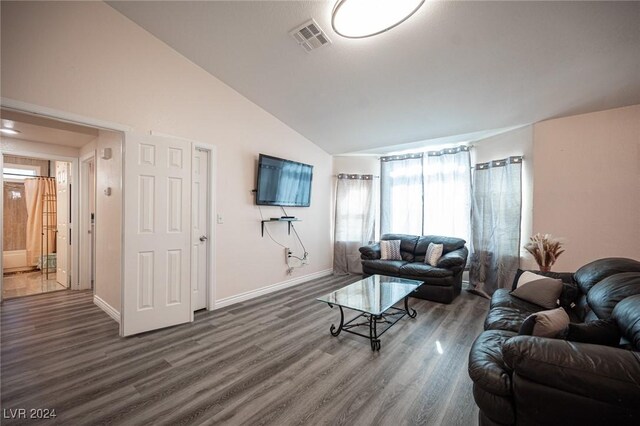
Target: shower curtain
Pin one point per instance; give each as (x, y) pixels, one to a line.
(35, 190)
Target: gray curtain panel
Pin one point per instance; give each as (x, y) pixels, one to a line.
(495, 225)
(447, 193)
(355, 221)
(401, 194)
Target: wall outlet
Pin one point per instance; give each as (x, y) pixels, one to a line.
(287, 254)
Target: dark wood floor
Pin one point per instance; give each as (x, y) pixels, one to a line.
(266, 361)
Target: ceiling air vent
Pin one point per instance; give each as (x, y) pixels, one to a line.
(310, 36)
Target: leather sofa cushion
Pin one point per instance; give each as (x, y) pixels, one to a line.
(540, 404)
(594, 272)
(371, 252)
(503, 299)
(627, 316)
(498, 409)
(600, 332)
(591, 316)
(449, 244)
(454, 259)
(507, 318)
(383, 267)
(604, 296)
(421, 271)
(486, 366)
(581, 307)
(592, 371)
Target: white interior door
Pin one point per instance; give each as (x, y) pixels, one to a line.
(157, 233)
(200, 228)
(62, 222)
(86, 179)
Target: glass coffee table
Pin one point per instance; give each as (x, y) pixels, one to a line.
(374, 298)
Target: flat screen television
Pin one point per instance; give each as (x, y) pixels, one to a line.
(283, 182)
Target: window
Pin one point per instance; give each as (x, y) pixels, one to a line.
(19, 172)
(427, 193)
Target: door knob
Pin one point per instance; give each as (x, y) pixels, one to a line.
(203, 238)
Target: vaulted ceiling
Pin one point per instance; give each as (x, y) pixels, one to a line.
(454, 69)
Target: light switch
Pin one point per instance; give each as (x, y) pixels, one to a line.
(219, 219)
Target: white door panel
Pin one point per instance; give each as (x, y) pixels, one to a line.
(200, 228)
(157, 234)
(62, 222)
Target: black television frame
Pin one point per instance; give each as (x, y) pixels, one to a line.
(257, 191)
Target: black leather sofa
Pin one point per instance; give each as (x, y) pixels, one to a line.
(527, 380)
(442, 283)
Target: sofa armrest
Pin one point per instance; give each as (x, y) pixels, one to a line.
(603, 373)
(456, 259)
(371, 252)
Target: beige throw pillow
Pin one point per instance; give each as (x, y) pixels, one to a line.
(434, 253)
(390, 250)
(546, 323)
(537, 289)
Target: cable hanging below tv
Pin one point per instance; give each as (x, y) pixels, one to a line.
(283, 182)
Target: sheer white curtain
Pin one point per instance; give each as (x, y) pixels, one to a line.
(495, 224)
(447, 193)
(355, 221)
(401, 191)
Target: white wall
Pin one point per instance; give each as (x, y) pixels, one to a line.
(363, 165)
(108, 220)
(512, 143)
(89, 148)
(87, 59)
(587, 184)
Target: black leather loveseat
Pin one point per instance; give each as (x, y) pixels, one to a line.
(527, 380)
(442, 283)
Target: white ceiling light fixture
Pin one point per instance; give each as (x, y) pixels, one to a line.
(8, 127)
(366, 18)
(8, 131)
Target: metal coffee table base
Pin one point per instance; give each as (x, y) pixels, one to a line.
(389, 318)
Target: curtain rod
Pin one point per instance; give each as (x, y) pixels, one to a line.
(28, 176)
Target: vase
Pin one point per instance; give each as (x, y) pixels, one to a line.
(545, 268)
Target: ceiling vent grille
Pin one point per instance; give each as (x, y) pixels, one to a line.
(310, 36)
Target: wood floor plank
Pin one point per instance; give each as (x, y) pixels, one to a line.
(266, 361)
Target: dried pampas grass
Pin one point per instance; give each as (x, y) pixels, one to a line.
(545, 250)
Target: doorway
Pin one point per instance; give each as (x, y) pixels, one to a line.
(200, 222)
(36, 245)
(87, 267)
(128, 282)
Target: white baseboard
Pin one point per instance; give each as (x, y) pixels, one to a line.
(110, 310)
(221, 303)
